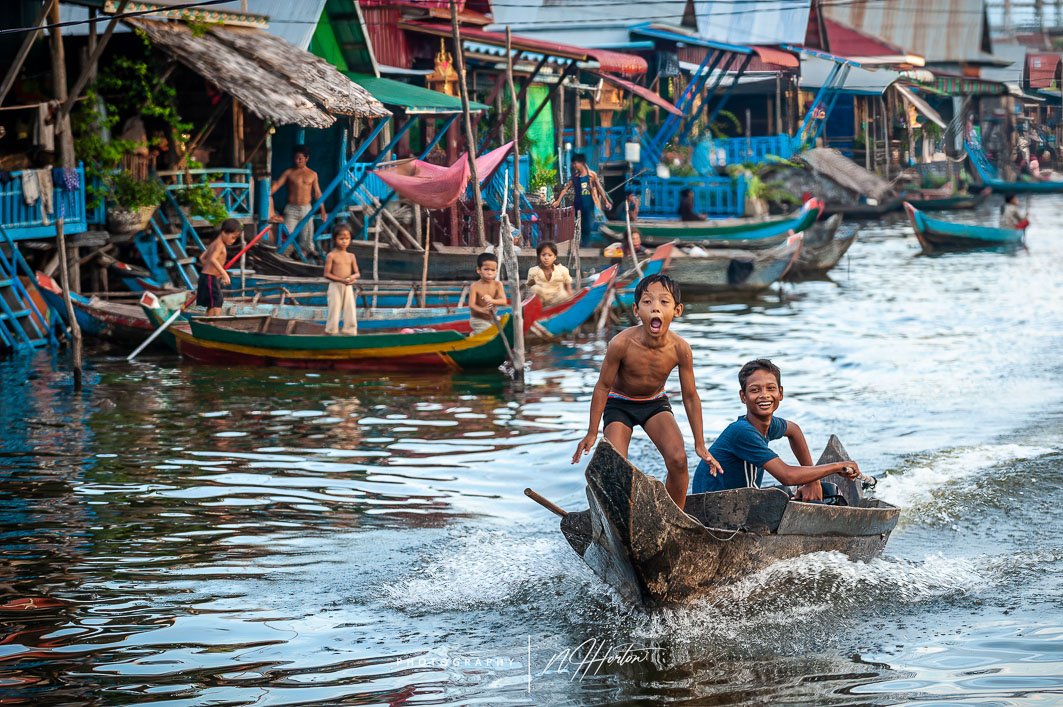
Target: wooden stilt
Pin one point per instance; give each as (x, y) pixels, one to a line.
(470, 139)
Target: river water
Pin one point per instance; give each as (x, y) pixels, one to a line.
(189, 535)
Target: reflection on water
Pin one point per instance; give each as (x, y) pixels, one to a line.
(191, 535)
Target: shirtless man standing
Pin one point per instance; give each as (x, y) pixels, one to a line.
(303, 191)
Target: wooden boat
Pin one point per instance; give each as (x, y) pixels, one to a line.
(729, 233)
(568, 316)
(935, 235)
(638, 541)
(861, 209)
(733, 271)
(263, 340)
(930, 201)
(991, 177)
(821, 250)
(449, 263)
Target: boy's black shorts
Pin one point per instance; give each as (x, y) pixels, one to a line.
(208, 294)
(632, 413)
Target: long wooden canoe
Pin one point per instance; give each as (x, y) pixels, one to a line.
(730, 233)
(638, 541)
(261, 340)
(821, 250)
(935, 235)
(929, 201)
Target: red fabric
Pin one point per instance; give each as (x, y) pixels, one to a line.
(435, 187)
(776, 56)
(642, 92)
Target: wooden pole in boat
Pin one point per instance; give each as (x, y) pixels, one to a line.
(513, 273)
(75, 330)
(427, 248)
(516, 131)
(630, 238)
(577, 235)
(247, 247)
(470, 139)
(376, 261)
(548, 505)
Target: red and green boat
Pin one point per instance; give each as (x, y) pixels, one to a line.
(262, 340)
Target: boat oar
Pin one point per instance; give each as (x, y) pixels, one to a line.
(165, 325)
(247, 247)
(548, 505)
(502, 333)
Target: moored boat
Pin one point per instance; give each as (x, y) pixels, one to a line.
(821, 250)
(733, 271)
(730, 233)
(935, 234)
(931, 201)
(653, 554)
(263, 340)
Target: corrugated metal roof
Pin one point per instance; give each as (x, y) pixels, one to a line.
(860, 82)
(852, 43)
(942, 31)
(292, 21)
(751, 22)
(581, 22)
(1041, 69)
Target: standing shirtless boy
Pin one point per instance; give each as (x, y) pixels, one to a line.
(630, 388)
(303, 191)
(341, 270)
(212, 273)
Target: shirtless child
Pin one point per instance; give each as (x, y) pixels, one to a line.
(303, 191)
(212, 273)
(485, 294)
(341, 270)
(630, 388)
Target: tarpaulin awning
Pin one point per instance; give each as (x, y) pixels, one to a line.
(858, 82)
(920, 105)
(608, 61)
(967, 86)
(770, 55)
(273, 79)
(435, 187)
(640, 91)
(414, 99)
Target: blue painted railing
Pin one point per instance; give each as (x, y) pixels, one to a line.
(22, 220)
(602, 145)
(720, 152)
(713, 196)
(235, 187)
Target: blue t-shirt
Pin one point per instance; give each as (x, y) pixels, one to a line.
(742, 452)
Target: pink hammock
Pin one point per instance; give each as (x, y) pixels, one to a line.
(435, 187)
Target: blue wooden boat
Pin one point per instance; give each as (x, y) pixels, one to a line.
(625, 295)
(568, 316)
(742, 233)
(991, 178)
(935, 235)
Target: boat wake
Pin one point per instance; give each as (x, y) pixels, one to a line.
(928, 488)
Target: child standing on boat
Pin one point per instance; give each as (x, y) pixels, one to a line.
(549, 279)
(341, 269)
(212, 273)
(485, 294)
(630, 388)
(743, 450)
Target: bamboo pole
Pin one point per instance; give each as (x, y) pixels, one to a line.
(470, 140)
(427, 248)
(516, 132)
(62, 120)
(75, 330)
(513, 273)
(630, 239)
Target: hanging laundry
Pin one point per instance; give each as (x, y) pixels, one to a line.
(44, 128)
(31, 190)
(66, 178)
(6, 177)
(44, 179)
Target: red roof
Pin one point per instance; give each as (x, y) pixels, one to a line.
(848, 42)
(770, 55)
(642, 92)
(1041, 69)
(608, 61)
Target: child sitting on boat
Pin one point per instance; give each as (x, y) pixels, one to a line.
(742, 449)
(341, 269)
(1010, 216)
(485, 294)
(549, 279)
(630, 388)
(212, 274)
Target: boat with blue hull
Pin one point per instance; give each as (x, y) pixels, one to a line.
(937, 235)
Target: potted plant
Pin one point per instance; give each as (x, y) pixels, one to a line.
(543, 177)
(133, 201)
(199, 201)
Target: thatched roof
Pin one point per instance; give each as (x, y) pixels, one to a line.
(270, 77)
(833, 164)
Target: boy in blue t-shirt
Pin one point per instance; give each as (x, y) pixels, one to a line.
(742, 449)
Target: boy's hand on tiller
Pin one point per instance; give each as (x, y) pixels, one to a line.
(714, 466)
(585, 446)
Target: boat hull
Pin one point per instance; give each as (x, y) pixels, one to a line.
(935, 235)
(821, 250)
(638, 541)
